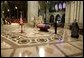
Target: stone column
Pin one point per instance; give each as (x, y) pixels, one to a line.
(47, 15)
(81, 15)
(72, 12)
(79, 11)
(67, 14)
(77, 16)
(75, 9)
(32, 11)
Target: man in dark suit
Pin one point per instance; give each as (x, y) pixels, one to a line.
(75, 29)
(55, 27)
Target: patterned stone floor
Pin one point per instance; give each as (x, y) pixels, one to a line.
(35, 43)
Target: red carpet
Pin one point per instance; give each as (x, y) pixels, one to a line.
(17, 20)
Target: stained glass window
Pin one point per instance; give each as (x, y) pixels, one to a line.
(56, 7)
(60, 6)
(63, 5)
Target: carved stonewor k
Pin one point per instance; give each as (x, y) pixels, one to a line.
(23, 41)
(33, 41)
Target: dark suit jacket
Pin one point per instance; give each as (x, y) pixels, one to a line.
(55, 25)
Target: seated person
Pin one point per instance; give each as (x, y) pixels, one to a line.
(74, 29)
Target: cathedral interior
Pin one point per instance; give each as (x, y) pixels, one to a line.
(41, 29)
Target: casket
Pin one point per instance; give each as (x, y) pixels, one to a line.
(43, 27)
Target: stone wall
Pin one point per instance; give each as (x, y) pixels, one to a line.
(55, 13)
(74, 10)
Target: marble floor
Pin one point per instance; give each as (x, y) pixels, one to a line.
(35, 43)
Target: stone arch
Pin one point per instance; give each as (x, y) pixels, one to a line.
(51, 19)
(56, 18)
(63, 18)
